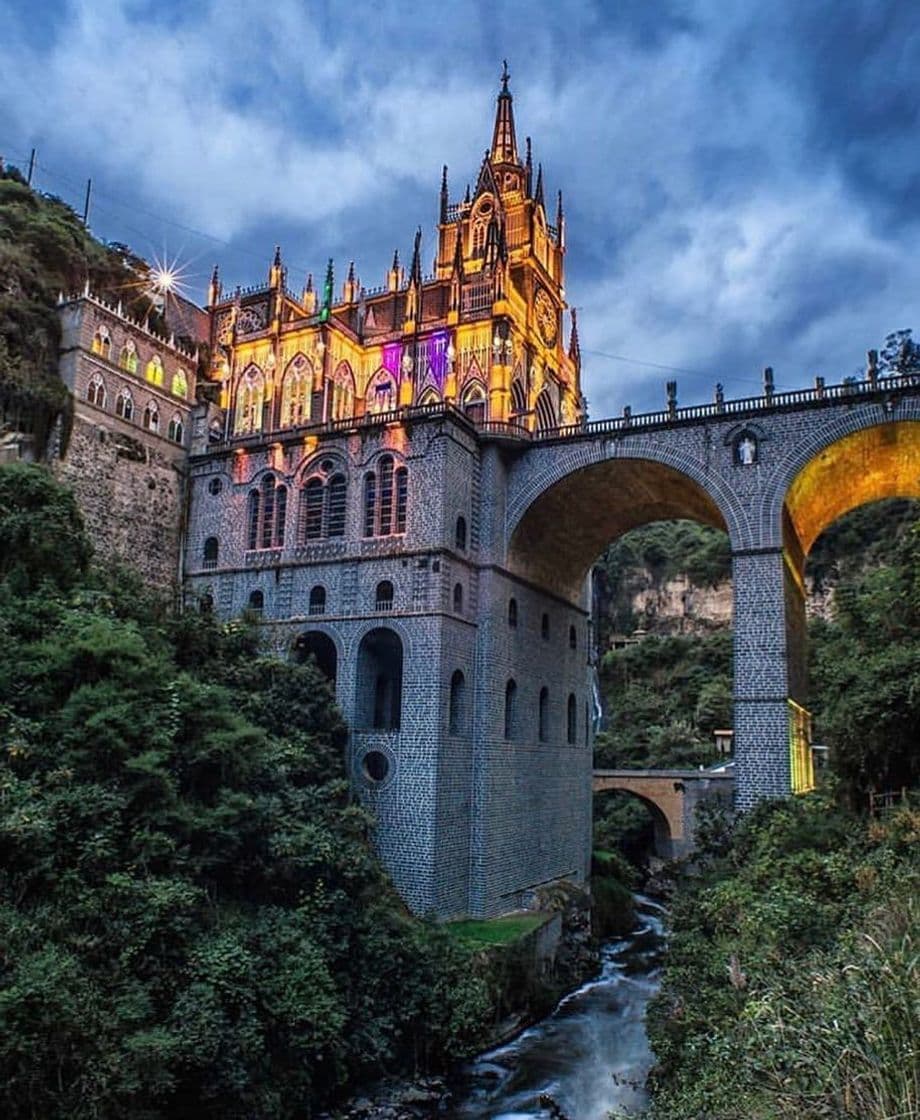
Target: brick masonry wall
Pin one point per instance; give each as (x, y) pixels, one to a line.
(128, 481)
(470, 822)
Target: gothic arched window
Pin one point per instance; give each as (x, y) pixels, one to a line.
(152, 417)
(518, 398)
(256, 602)
(296, 392)
(175, 429)
(460, 534)
(474, 402)
(573, 638)
(512, 613)
(179, 387)
(102, 343)
(570, 720)
(343, 392)
(458, 598)
(544, 627)
(154, 371)
(124, 405)
(267, 514)
(128, 357)
(386, 498)
(249, 398)
(381, 393)
(547, 416)
(95, 391)
(323, 508)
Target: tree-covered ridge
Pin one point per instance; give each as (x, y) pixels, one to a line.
(192, 921)
(45, 250)
(791, 987)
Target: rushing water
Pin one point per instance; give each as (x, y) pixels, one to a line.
(590, 1056)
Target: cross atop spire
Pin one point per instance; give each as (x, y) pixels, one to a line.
(504, 142)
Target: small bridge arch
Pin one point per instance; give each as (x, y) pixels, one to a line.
(673, 797)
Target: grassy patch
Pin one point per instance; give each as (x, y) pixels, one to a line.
(496, 931)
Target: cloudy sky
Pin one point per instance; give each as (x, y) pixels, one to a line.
(741, 179)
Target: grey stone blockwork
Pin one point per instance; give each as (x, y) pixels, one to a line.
(471, 818)
(468, 821)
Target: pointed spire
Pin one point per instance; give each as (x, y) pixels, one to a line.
(350, 287)
(504, 143)
(214, 288)
(327, 293)
(276, 272)
(466, 197)
(444, 196)
(574, 348)
(458, 252)
(528, 167)
(393, 274)
(538, 193)
(415, 271)
(308, 296)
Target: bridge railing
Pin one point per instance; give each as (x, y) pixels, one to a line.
(851, 390)
(743, 407)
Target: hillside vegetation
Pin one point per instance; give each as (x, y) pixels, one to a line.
(192, 920)
(792, 985)
(46, 250)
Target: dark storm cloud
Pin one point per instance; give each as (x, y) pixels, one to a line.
(740, 178)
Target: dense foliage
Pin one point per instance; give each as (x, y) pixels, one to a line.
(866, 674)
(792, 988)
(46, 250)
(192, 922)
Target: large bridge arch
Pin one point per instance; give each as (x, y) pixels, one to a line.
(862, 456)
(567, 503)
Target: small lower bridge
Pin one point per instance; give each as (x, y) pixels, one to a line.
(672, 796)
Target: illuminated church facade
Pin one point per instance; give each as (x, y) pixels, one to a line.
(345, 488)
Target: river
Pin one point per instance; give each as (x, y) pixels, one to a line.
(590, 1056)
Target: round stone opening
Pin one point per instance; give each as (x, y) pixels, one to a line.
(376, 765)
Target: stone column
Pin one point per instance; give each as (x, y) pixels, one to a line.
(769, 664)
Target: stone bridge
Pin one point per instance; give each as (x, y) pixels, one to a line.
(672, 796)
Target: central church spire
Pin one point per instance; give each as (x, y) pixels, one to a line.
(504, 142)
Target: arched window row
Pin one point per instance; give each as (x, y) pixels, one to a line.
(512, 728)
(267, 514)
(129, 360)
(97, 394)
(386, 498)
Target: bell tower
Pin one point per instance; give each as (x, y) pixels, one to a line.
(502, 254)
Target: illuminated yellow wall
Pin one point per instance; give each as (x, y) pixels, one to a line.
(876, 463)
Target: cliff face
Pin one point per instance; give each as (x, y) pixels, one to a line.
(679, 606)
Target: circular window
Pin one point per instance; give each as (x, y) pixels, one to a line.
(376, 765)
(215, 486)
(327, 466)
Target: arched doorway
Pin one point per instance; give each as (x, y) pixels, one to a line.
(378, 695)
(319, 646)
